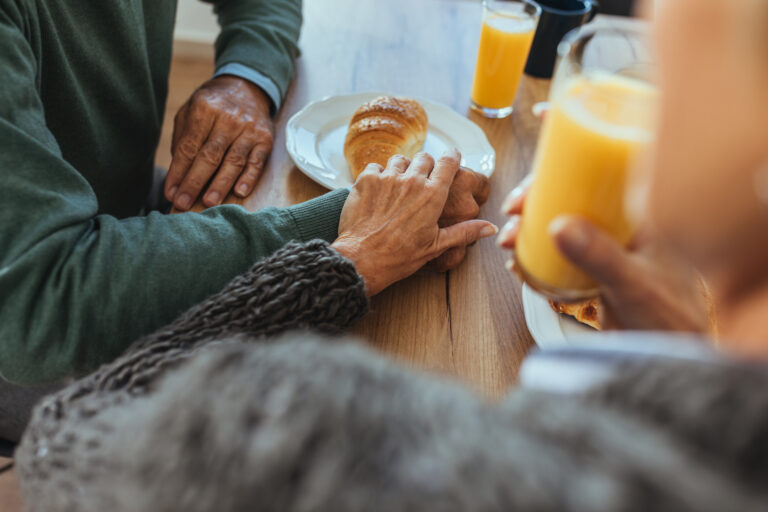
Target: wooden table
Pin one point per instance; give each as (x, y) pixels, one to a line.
(468, 322)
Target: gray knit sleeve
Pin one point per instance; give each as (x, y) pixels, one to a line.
(305, 424)
(301, 286)
(306, 286)
(713, 407)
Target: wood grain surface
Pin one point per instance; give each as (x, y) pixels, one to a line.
(469, 322)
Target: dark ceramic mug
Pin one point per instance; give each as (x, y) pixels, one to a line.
(558, 17)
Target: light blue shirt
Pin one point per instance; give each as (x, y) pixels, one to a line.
(253, 76)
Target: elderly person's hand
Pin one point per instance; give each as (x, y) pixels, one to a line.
(468, 193)
(223, 129)
(389, 227)
(643, 287)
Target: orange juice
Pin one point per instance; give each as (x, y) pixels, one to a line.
(504, 45)
(596, 128)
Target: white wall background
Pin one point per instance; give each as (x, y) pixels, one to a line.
(195, 22)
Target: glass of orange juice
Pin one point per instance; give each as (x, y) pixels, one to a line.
(505, 41)
(601, 120)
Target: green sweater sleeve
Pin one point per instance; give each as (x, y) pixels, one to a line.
(260, 34)
(77, 287)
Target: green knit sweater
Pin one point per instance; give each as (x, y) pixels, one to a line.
(83, 85)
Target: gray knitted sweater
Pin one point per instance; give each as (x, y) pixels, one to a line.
(222, 411)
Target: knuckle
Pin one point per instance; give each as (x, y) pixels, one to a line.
(251, 132)
(199, 99)
(258, 133)
(231, 122)
(397, 160)
(265, 136)
(425, 160)
(415, 183)
(482, 196)
(461, 183)
(445, 161)
(250, 175)
(212, 152)
(236, 159)
(365, 179)
(390, 179)
(255, 162)
(188, 148)
(245, 118)
(193, 184)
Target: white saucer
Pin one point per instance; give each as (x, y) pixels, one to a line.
(315, 138)
(549, 328)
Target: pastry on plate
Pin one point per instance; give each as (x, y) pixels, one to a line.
(383, 127)
(585, 312)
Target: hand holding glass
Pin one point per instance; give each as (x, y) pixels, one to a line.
(601, 120)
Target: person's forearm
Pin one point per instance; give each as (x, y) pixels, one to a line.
(77, 290)
(301, 286)
(261, 36)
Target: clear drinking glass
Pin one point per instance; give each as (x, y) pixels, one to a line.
(602, 115)
(505, 41)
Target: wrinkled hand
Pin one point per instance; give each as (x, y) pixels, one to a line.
(468, 193)
(223, 129)
(643, 287)
(389, 225)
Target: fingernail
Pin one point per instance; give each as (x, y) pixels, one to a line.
(184, 201)
(571, 235)
(510, 265)
(242, 189)
(451, 153)
(213, 197)
(507, 230)
(173, 191)
(489, 230)
(512, 197)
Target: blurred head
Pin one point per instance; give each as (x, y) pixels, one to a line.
(708, 194)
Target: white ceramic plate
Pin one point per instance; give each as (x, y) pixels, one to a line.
(315, 138)
(549, 328)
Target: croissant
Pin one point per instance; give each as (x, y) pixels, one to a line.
(584, 312)
(383, 127)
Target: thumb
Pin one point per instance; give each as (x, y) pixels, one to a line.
(463, 234)
(592, 250)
